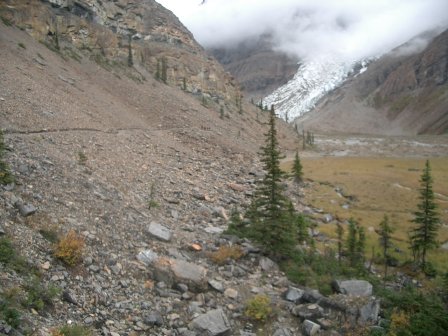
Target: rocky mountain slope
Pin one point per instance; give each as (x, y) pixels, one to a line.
(143, 32)
(258, 67)
(401, 93)
(148, 176)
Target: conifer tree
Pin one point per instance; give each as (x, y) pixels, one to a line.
(385, 232)
(272, 224)
(361, 245)
(424, 236)
(340, 234)
(130, 60)
(352, 241)
(297, 169)
(5, 175)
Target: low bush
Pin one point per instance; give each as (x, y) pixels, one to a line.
(70, 249)
(258, 308)
(72, 330)
(225, 253)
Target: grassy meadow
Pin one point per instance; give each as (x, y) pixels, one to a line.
(366, 188)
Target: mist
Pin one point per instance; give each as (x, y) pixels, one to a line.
(344, 29)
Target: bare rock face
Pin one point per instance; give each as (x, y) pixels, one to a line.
(403, 93)
(143, 33)
(255, 64)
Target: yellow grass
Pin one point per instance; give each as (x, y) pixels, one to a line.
(380, 186)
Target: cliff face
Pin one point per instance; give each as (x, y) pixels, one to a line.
(400, 93)
(115, 31)
(255, 64)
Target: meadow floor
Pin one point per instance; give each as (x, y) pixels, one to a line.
(367, 177)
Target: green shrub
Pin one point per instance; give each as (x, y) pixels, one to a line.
(72, 330)
(39, 295)
(9, 314)
(258, 308)
(21, 45)
(10, 258)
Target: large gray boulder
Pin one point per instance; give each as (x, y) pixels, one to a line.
(294, 294)
(159, 231)
(353, 287)
(368, 313)
(174, 271)
(212, 323)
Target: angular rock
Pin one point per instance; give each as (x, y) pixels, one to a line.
(294, 294)
(311, 296)
(231, 293)
(216, 285)
(153, 319)
(147, 257)
(213, 230)
(268, 265)
(310, 328)
(25, 210)
(159, 231)
(212, 323)
(283, 332)
(308, 312)
(353, 287)
(369, 312)
(172, 271)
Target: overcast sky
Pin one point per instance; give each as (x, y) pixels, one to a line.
(350, 29)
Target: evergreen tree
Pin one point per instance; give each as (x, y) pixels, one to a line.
(297, 169)
(385, 236)
(130, 60)
(302, 228)
(272, 223)
(5, 175)
(423, 236)
(361, 245)
(164, 70)
(351, 241)
(340, 234)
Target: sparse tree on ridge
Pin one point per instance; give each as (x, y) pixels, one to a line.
(424, 236)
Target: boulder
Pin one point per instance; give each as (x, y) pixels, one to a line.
(25, 210)
(353, 287)
(212, 323)
(308, 312)
(159, 231)
(310, 328)
(368, 313)
(147, 257)
(268, 265)
(173, 271)
(293, 294)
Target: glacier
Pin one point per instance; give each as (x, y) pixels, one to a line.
(311, 82)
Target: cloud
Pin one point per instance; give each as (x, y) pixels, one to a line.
(347, 29)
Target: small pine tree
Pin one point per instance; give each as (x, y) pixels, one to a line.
(302, 229)
(164, 70)
(361, 245)
(158, 74)
(340, 235)
(272, 224)
(184, 84)
(424, 236)
(297, 169)
(385, 232)
(5, 175)
(351, 241)
(130, 60)
(221, 112)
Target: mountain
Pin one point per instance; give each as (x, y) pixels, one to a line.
(143, 32)
(256, 65)
(403, 92)
(106, 150)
